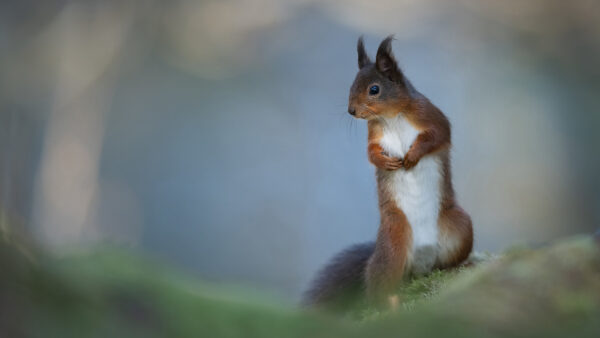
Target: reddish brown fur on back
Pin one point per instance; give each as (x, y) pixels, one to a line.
(454, 223)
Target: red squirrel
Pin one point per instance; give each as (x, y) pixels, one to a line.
(421, 225)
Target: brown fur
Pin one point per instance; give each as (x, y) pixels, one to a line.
(455, 222)
(385, 269)
(380, 266)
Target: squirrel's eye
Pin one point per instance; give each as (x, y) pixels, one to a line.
(374, 90)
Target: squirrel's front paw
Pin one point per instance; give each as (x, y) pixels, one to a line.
(383, 161)
(410, 160)
(392, 163)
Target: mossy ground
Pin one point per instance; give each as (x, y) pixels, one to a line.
(553, 291)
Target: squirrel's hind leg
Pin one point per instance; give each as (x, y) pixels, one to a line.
(385, 269)
(455, 239)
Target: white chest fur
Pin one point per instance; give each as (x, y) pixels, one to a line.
(416, 192)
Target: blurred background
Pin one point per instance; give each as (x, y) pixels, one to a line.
(214, 134)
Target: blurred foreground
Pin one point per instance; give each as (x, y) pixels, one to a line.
(549, 292)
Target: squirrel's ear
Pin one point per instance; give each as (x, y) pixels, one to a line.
(363, 58)
(385, 61)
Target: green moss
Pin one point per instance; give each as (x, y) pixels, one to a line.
(424, 289)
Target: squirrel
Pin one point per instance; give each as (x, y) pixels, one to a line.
(421, 225)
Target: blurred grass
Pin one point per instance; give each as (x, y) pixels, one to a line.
(553, 291)
(116, 294)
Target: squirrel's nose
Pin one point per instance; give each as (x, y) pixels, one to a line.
(351, 111)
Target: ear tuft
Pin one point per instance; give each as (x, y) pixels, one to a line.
(363, 58)
(385, 61)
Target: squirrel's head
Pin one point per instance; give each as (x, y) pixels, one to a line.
(380, 88)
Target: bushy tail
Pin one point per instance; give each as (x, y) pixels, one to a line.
(341, 283)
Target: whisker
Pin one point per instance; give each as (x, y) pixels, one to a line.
(341, 116)
(350, 124)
